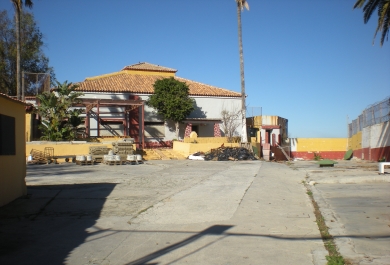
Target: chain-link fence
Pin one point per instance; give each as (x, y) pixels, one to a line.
(376, 113)
(253, 111)
(35, 83)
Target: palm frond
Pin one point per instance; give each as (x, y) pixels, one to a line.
(246, 5)
(359, 4)
(385, 26)
(28, 3)
(242, 3)
(383, 7)
(369, 8)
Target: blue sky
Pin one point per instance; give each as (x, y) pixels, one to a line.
(309, 61)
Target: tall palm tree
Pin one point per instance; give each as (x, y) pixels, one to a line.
(18, 11)
(383, 7)
(240, 6)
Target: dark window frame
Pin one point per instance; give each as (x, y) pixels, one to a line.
(7, 135)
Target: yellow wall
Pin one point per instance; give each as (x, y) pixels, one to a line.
(321, 144)
(13, 167)
(257, 122)
(65, 148)
(188, 148)
(355, 142)
(28, 127)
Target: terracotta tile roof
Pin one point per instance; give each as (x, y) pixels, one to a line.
(13, 99)
(143, 84)
(149, 67)
(200, 89)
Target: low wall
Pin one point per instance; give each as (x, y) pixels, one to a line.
(189, 148)
(330, 148)
(65, 148)
(372, 143)
(355, 142)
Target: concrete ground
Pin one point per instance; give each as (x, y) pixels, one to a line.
(355, 202)
(195, 212)
(162, 212)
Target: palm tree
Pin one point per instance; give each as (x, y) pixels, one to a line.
(240, 6)
(18, 11)
(383, 7)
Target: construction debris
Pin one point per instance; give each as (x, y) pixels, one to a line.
(196, 156)
(39, 157)
(229, 153)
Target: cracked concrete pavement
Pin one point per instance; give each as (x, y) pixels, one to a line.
(162, 212)
(355, 202)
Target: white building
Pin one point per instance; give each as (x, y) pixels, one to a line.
(115, 106)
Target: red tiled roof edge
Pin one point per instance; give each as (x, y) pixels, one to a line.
(232, 93)
(108, 82)
(145, 66)
(14, 99)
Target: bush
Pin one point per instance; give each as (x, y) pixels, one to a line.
(317, 156)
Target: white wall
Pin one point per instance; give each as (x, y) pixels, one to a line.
(376, 136)
(212, 106)
(206, 107)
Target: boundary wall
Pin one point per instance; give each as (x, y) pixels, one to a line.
(369, 134)
(330, 148)
(66, 148)
(372, 143)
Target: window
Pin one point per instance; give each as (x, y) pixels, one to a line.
(154, 129)
(7, 135)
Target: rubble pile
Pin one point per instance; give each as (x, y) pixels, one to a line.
(229, 153)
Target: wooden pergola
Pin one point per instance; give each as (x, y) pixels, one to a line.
(128, 105)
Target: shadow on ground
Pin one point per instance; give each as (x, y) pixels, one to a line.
(47, 225)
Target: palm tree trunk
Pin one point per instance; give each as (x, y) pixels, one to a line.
(244, 138)
(18, 49)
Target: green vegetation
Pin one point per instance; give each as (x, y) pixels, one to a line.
(32, 58)
(317, 156)
(383, 7)
(171, 100)
(59, 122)
(334, 257)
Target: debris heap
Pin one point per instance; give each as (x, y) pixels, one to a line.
(229, 153)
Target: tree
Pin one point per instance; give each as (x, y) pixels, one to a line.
(32, 57)
(383, 7)
(171, 100)
(18, 4)
(59, 121)
(230, 122)
(240, 6)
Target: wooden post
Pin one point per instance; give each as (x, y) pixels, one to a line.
(98, 119)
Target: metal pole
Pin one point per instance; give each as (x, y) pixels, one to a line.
(36, 83)
(143, 132)
(98, 119)
(347, 133)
